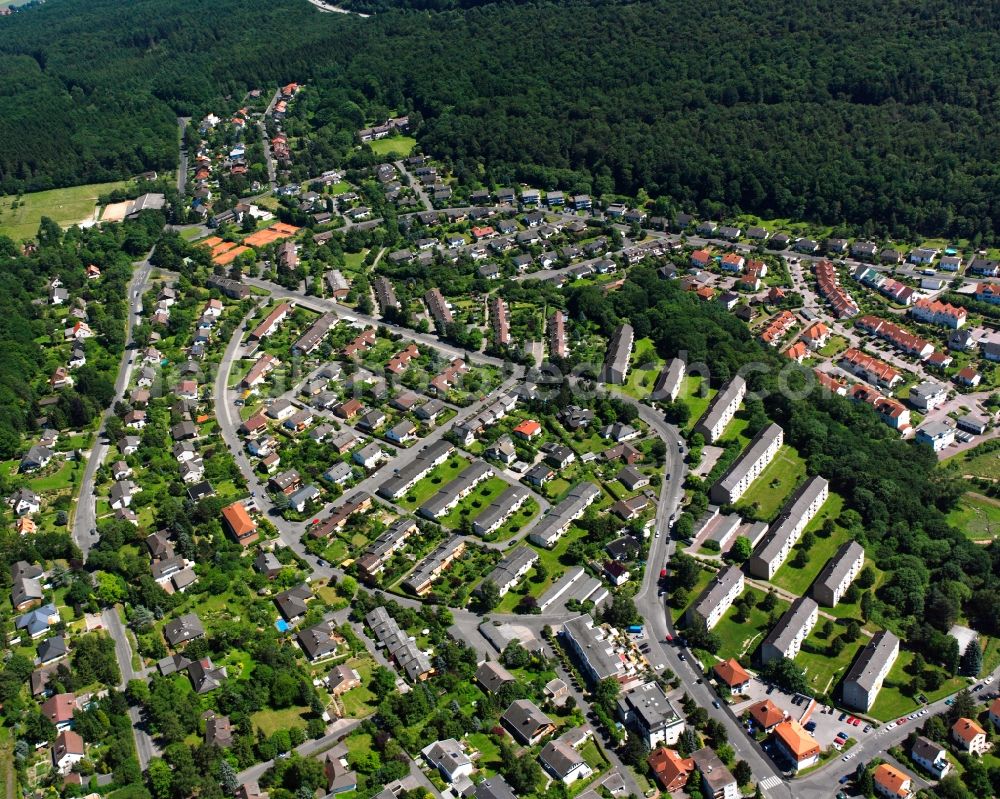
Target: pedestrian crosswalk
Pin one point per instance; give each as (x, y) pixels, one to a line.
(770, 782)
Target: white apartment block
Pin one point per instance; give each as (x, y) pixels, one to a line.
(748, 466)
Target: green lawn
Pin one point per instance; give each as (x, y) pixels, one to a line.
(360, 701)
(474, 504)
(690, 393)
(742, 638)
(514, 524)
(824, 671)
(270, 721)
(893, 702)
(978, 517)
(835, 345)
(982, 461)
(489, 752)
(354, 261)
(549, 558)
(439, 477)
(59, 480)
(646, 367)
(704, 578)
(798, 580)
(768, 492)
(66, 206)
(398, 145)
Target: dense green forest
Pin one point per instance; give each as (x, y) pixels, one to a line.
(883, 115)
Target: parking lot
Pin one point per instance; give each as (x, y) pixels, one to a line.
(827, 724)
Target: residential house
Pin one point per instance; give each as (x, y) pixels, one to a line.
(526, 722)
(670, 769)
(889, 781)
(731, 674)
(970, 737)
(449, 758)
(563, 762)
(931, 756)
(67, 751)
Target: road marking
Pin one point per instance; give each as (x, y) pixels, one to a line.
(770, 782)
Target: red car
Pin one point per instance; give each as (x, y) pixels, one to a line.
(669, 638)
(856, 722)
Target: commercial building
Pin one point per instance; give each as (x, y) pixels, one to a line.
(722, 409)
(865, 677)
(748, 466)
(800, 509)
(594, 649)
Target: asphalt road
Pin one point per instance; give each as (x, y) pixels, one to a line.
(144, 745)
(182, 159)
(85, 518)
(339, 730)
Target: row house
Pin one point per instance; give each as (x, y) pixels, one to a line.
(939, 313)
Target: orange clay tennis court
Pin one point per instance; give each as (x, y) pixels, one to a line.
(279, 230)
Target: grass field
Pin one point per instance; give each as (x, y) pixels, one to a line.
(65, 206)
(270, 721)
(474, 504)
(835, 345)
(704, 578)
(360, 701)
(798, 580)
(439, 477)
(400, 145)
(978, 517)
(549, 558)
(742, 638)
(768, 492)
(691, 394)
(823, 671)
(892, 702)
